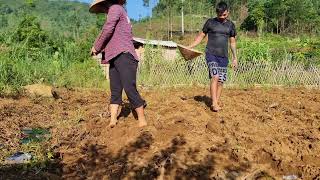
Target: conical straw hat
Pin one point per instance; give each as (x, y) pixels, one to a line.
(98, 6)
(188, 53)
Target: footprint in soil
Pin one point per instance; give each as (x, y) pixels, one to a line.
(203, 99)
(259, 175)
(126, 109)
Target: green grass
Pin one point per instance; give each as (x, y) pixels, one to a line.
(275, 47)
(70, 67)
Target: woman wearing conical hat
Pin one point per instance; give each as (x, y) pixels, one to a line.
(115, 41)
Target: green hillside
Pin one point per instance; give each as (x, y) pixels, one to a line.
(277, 16)
(64, 17)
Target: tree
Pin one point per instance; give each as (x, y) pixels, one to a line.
(256, 18)
(29, 30)
(5, 9)
(280, 16)
(146, 3)
(35, 39)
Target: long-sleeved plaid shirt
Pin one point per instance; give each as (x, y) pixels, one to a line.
(116, 35)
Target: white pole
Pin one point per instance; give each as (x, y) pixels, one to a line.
(182, 18)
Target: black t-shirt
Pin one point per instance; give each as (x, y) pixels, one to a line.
(218, 36)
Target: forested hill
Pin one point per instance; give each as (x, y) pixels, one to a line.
(279, 16)
(54, 16)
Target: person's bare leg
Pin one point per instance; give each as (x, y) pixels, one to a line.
(141, 116)
(114, 115)
(213, 90)
(219, 91)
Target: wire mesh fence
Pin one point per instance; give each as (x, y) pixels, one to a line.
(157, 72)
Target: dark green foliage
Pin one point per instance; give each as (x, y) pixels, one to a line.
(256, 16)
(29, 31)
(5, 9)
(291, 16)
(278, 16)
(67, 18)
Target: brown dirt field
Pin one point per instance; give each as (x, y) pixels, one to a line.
(260, 134)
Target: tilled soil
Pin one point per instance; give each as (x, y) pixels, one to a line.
(259, 134)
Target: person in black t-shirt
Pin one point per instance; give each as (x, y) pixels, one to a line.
(220, 31)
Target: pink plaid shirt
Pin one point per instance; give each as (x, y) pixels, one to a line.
(116, 35)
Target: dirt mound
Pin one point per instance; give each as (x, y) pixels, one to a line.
(259, 134)
(40, 90)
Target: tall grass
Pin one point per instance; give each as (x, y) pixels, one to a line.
(69, 66)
